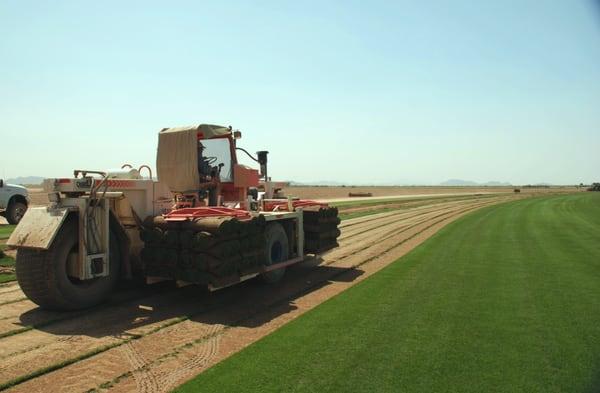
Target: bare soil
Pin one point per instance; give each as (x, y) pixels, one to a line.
(39, 197)
(154, 338)
(334, 192)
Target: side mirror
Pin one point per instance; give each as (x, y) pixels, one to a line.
(1, 183)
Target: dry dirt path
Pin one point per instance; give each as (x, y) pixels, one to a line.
(406, 196)
(151, 342)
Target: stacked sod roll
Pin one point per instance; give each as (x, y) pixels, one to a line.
(206, 250)
(320, 229)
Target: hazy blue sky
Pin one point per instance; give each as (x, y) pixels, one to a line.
(355, 91)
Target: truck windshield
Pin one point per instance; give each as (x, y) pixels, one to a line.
(217, 152)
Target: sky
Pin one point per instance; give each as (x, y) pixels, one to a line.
(378, 92)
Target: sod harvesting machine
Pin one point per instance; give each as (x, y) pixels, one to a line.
(206, 220)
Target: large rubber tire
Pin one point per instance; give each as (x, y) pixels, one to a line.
(43, 277)
(15, 212)
(276, 250)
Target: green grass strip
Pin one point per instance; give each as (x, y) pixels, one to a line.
(6, 230)
(7, 261)
(504, 299)
(7, 277)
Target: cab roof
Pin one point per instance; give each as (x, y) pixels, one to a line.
(203, 131)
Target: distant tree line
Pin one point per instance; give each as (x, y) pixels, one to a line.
(594, 187)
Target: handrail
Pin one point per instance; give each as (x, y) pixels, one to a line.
(147, 167)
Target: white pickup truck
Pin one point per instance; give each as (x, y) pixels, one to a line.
(14, 200)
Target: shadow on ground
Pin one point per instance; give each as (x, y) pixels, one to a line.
(248, 304)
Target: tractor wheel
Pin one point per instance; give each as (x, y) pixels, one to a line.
(276, 250)
(15, 211)
(43, 276)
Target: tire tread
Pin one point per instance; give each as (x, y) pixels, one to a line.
(35, 277)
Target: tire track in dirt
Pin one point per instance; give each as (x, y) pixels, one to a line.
(393, 217)
(145, 380)
(9, 288)
(65, 340)
(12, 319)
(358, 254)
(400, 211)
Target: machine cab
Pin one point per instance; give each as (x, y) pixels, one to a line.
(199, 164)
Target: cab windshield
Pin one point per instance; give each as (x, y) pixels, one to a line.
(216, 151)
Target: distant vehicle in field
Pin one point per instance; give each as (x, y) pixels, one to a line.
(360, 194)
(594, 187)
(14, 200)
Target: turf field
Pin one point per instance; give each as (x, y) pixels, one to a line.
(506, 299)
(6, 261)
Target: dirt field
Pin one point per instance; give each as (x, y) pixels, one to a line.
(39, 197)
(154, 338)
(312, 192)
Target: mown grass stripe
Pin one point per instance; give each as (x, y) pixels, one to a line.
(504, 299)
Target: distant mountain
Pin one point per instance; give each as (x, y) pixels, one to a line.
(34, 180)
(459, 182)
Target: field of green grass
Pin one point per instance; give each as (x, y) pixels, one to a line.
(5, 231)
(506, 299)
(6, 261)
